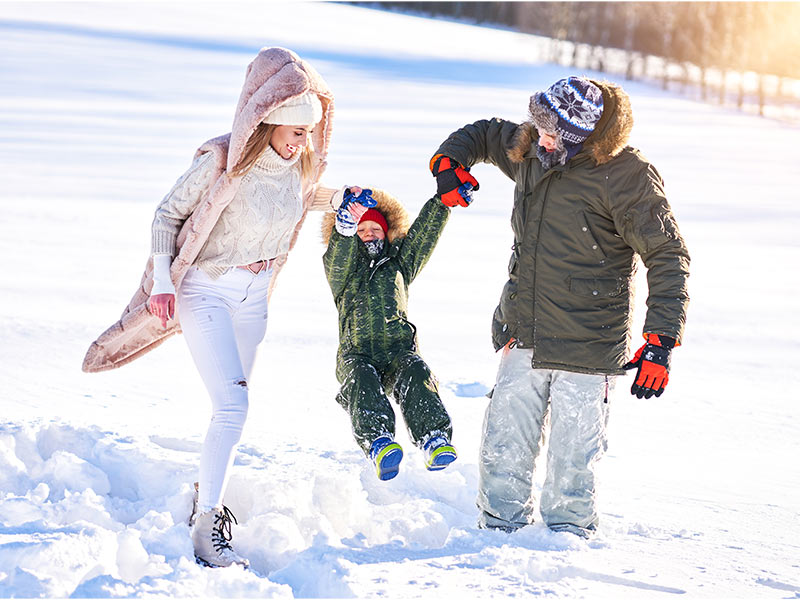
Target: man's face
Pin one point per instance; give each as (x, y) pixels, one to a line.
(548, 141)
(369, 231)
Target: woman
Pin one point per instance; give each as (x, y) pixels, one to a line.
(219, 238)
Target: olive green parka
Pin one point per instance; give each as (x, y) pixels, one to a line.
(371, 294)
(577, 230)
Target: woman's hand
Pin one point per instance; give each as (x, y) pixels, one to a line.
(338, 197)
(357, 210)
(163, 307)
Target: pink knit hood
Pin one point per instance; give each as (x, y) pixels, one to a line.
(275, 76)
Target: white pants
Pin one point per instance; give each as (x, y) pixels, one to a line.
(223, 321)
(512, 437)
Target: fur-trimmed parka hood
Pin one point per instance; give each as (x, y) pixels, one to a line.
(390, 207)
(610, 135)
(274, 76)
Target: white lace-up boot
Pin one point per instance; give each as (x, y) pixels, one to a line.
(211, 536)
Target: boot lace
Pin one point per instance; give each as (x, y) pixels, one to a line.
(221, 534)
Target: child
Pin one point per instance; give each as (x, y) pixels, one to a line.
(369, 264)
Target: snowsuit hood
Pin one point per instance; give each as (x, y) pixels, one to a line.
(274, 76)
(390, 207)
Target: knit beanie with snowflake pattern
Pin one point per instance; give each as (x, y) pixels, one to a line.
(568, 110)
(570, 107)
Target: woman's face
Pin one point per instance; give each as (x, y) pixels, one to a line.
(286, 140)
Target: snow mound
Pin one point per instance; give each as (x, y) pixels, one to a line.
(91, 513)
(88, 513)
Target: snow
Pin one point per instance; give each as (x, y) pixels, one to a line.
(101, 108)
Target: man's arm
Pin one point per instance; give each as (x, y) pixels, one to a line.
(645, 221)
(482, 141)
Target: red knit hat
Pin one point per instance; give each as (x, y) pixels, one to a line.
(374, 215)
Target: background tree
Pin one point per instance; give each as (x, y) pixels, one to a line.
(729, 40)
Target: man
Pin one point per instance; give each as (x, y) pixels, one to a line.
(585, 204)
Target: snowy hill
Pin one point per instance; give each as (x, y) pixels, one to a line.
(101, 108)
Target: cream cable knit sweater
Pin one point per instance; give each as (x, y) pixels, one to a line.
(258, 223)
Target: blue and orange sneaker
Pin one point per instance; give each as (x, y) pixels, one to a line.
(438, 453)
(386, 454)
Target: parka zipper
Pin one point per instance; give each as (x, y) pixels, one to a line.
(545, 197)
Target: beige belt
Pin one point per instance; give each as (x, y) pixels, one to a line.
(258, 266)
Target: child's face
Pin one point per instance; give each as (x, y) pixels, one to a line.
(370, 230)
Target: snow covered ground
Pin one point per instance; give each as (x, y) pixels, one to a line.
(101, 107)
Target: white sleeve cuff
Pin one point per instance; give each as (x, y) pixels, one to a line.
(338, 198)
(162, 280)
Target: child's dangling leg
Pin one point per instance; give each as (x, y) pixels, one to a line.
(371, 414)
(415, 389)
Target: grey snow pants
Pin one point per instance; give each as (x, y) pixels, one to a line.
(513, 431)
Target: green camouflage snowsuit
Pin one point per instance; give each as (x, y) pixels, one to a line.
(377, 343)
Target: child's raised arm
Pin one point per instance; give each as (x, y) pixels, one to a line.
(342, 252)
(422, 237)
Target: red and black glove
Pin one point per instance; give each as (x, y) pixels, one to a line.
(454, 184)
(652, 361)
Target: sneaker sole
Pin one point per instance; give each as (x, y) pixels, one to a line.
(441, 457)
(388, 462)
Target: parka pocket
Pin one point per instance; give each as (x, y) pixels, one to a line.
(596, 287)
(587, 236)
(500, 330)
(504, 315)
(651, 228)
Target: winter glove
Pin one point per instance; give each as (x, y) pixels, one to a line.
(338, 198)
(454, 184)
(350, 211)
(652, 361)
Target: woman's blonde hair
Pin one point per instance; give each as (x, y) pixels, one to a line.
(257, 144)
